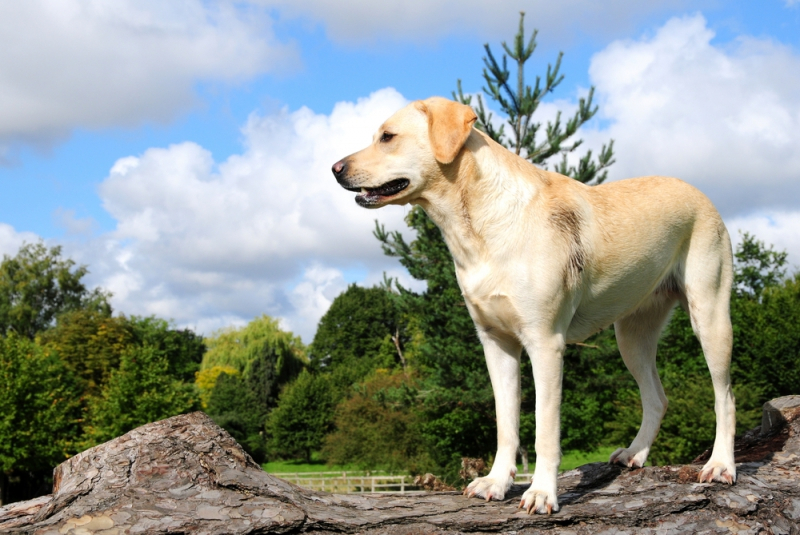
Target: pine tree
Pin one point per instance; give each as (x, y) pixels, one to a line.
(520, 103)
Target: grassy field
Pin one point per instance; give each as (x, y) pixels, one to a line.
(569, 461)
(574, 459)
(316, 465)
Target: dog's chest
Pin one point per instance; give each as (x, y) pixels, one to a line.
(488, 298)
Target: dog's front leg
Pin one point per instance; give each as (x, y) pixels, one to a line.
(502, 359)
(546, 353)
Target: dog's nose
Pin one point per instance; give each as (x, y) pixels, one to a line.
(338, 168)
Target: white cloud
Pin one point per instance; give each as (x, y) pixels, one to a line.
(266, 231)
(313, 297)
(11, 240)
(355, 21)
(777, 228)
(98, 63)
(73, 225)
(725, 118)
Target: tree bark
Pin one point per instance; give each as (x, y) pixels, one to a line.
(185, 474)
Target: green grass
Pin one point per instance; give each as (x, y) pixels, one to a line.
(276, 467)
(298, 465)
(574, 459)
(570, 460)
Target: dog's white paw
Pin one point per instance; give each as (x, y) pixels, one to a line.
(626, 457)
(539, 501)
(718, 471)
(489, 488)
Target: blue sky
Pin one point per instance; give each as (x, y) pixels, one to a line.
(181, 150)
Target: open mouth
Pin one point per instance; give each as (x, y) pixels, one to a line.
(372, 196)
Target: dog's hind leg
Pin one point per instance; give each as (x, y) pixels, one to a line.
(502, 359)
(637, 338)
(708, 286)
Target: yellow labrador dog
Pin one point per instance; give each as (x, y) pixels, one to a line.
(543, 261)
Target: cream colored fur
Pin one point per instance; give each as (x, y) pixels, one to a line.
(543, 261)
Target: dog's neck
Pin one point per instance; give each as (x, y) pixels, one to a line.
(464, 197)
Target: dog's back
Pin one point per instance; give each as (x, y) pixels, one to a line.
(636, 238)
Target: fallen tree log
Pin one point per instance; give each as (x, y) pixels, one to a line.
(187, 475)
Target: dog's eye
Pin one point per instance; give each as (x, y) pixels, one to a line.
(386, 137)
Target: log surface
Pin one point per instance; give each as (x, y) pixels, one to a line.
(187, 475)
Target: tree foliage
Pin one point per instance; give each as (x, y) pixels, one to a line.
(757, 267)
(303, 417)
(361, 331)
(519, 102)
(37, 285)
(249, 366)
(767, 340)
(90, 342)
(140, 391)
(240, 347)
(235, 407)
(183, 349)
(39, 409)
(378, 426)
(206, 380)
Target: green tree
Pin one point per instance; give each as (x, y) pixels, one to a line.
(37, 285)
(240, 347)
(235, 407)
(263, 358)
(91, 343)
(39, 412)
(766, 314)
(140, 391)
(378, 426)
(519, 102)
(757, 267)
(767, 340)
(360, 332)
(183, 349)
(206, 380)
(297, 426)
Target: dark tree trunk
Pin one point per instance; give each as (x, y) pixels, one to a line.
(3, 487)
(187, 475)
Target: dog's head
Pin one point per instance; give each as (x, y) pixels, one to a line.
(406, 152)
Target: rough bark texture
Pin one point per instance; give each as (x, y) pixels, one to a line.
(187, 475)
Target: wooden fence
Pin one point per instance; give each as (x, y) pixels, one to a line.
(351, 483)
(523, 479)
(363, 482)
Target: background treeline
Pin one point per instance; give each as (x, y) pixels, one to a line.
(393, 378)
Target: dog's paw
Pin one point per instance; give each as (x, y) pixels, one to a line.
(539, 501)
(625, 457)
(718, 471)
(489, 488)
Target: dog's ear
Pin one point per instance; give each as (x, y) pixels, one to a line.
(449, 126)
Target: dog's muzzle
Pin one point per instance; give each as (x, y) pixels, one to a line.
(368, 197)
